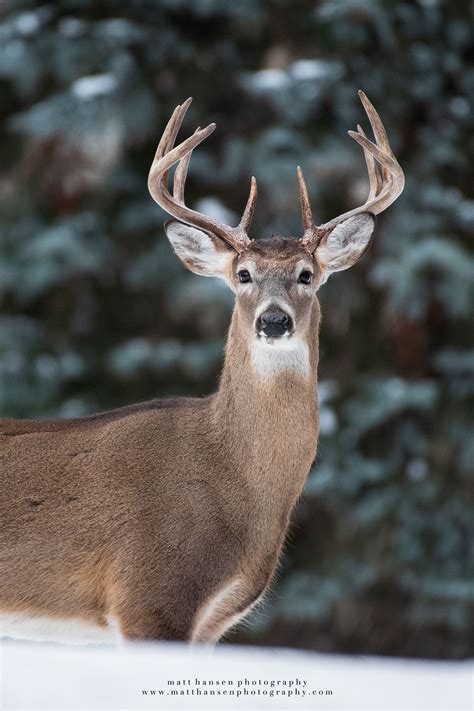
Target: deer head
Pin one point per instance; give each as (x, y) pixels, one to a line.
(275, 279)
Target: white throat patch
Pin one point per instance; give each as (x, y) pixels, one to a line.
(273, 356)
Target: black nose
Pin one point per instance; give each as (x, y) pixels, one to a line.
(274, 323)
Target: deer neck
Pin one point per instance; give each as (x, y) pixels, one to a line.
(266, 408)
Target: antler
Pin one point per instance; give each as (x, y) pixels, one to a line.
(165, 157)
(386, 182)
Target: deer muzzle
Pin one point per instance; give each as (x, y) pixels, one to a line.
(274, 324)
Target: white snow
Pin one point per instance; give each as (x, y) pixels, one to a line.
(417, 469)
(268, 80)
(59, 677)
(327, 421)
(94, 85)
(327, 390)
(305, 69)
(27, 23)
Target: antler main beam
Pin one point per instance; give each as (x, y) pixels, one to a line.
(166, 156)
(386, 182)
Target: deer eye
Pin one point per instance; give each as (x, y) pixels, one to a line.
(305, 277)
(244, 276)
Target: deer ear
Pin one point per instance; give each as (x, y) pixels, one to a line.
(201, 252)
(346, 243)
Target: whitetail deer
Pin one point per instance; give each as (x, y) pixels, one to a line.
(167, 518)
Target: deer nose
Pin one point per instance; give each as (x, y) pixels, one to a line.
(274, 323)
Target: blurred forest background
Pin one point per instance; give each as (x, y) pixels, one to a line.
(96, 312)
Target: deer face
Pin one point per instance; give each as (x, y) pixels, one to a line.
(275, 284)
(275, 280)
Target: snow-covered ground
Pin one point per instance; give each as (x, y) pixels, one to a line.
(47, 676)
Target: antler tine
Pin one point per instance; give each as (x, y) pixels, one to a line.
(386, 184)
(247, 216)
(306, 212)
(163, 163)
(375, 179)
(166, 156)
(312, 234)
(162, 145)
(376, 124)
(381, 138)
(180, 175)
(168, 141)
(393, 180)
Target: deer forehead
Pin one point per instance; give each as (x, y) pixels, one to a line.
(277, 248)
(275, 257)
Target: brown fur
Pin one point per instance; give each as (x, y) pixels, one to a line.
(146, 512)
(152, 512)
